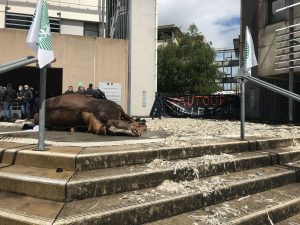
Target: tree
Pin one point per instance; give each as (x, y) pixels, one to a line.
(187, 65)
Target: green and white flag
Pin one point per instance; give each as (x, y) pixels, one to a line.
(39, 37)
(249, 59)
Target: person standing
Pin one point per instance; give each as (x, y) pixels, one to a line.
(28, 96)
(100, 94)
(80, 91)
(20, 98)
(69, 91)
(90, 92)
(9, 97)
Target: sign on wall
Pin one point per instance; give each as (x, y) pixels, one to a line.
(113, 91)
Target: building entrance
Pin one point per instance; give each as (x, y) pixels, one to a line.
(30, 76)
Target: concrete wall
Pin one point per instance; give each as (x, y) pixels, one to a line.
(261, 104)
(267, 41)
(143, 75)
(83, 59)
(72, 27)
(2, 16)
(250, 18)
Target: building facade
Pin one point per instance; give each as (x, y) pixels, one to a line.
(277, 48)
(90, 39)
(228, 64)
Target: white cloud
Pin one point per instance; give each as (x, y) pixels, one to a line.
(211, 16)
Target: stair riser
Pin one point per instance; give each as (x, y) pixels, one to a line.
(6, 221)
(159, 210)
(84, 163)
(276, 215)
(288, 157)
(83, 190)
(52, 191)
(40, 160)
(13, 221)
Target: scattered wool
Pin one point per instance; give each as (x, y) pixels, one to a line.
(191, 163)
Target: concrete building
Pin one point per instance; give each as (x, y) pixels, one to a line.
(90, 45)
(167, 32)
(228, 64)
(277, 48)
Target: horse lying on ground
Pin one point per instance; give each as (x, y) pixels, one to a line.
(100, 116)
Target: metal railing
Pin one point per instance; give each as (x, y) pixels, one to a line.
(271, 87)
(17, 64)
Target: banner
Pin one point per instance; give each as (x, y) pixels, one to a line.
(208, 106)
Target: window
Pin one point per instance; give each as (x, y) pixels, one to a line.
(274, 16)
(91, 29)
(23, 21)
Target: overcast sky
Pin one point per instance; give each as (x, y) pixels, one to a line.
(218, 20)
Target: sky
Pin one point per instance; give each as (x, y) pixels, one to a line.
(218, 20)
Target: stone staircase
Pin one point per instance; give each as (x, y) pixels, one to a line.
(250, 182)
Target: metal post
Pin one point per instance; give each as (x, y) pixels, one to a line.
(291, 63)
(242, 109)
(129, 54)
(103, 17)
(43, 77)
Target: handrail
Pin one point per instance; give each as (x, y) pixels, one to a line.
(15, 61)
(17, 64)
(272, 87)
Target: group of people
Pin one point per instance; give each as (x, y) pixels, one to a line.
(90, 91)
(26, 96)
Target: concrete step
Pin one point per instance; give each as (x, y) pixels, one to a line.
(172, 198)
(295, 220)
(116, 156)
(137, 207)
(69, 186)
(97, 183)
(24, 210)
(92, 158)
(36, 182)
(262, 208)
(283, 155)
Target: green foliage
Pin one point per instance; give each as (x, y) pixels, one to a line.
(187, 65)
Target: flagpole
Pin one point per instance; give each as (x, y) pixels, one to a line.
(242, 108)
(42, 111)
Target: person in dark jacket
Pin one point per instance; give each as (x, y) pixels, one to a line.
(9, 97)
(157, 107)
(69, 91)
(28, 96)
(90, 92)
(80, 91)
(100, 94)
(20, 98)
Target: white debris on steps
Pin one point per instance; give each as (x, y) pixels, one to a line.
(186, 132)
(191, 163)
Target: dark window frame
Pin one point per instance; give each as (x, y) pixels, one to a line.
(87, 31)
(280, 16)
(23, 21)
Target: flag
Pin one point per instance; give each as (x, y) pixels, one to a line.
(39, 37)
(249, 59)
